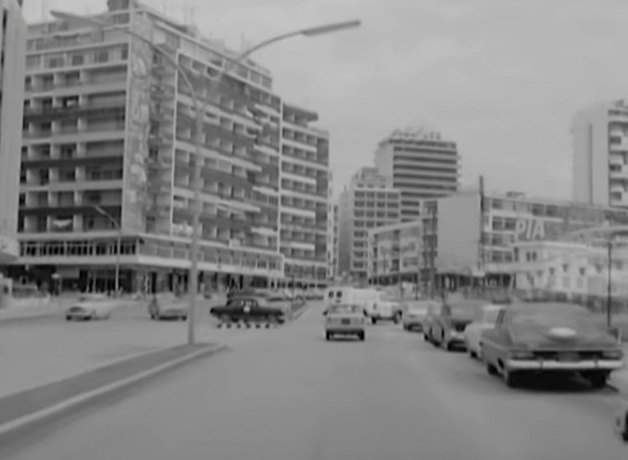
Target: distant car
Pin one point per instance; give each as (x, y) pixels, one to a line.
(168, 307)
(253, 309)
(413, 314)
(447, 321)
(550, 337)
(485, 317)
(91, 307)
(343, 319)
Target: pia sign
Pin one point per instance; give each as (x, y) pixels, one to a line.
(530, 229)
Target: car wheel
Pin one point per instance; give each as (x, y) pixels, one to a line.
(327, 336)
(426, 337)
(373, 320)
(597, 379)
(624, 434)
(68, 318)
(184, 318)
(512, 379)
(472, 353)
(491, 369)
(362, 336)
(396, 318)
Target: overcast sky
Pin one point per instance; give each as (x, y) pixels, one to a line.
(502, 78)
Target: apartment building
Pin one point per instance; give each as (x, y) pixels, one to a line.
(12, 48)
(421, 163)
(333, 244)
(600, 154)
(474, 235)
(369, 201)
(108, 150)
(305, 196)
(395, 254)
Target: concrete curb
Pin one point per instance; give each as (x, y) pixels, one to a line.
(88, 396)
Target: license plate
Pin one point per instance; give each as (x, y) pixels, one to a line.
(568, 357)
(345, 321)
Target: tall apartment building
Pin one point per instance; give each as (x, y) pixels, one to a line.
(421, 164)
(600, 154)
(12, 49)
(109, 132)
(368, 201)
(332, 258)
(305, 196)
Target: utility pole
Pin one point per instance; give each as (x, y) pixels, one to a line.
(419, 246)
(609, 285)
(482, 280)
(432, 248)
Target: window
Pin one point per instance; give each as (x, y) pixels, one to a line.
(77, 59)
(101, 56)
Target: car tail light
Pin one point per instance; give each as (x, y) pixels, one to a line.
(521, 355)
(613, 354)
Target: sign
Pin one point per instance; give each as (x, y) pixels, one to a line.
(530, 229)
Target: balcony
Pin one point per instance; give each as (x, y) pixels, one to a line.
(113, 107)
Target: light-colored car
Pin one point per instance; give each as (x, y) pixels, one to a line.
(484, 318)
(91, 307)
(413, 314)
(344, 319)
(168, 307)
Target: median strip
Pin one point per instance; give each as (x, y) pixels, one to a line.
(34, 405)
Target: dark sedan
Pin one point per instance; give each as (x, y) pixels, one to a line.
(532, 338)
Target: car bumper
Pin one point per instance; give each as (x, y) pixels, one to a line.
(413, 324)
(548, 365)
(79, 315)
(345, 329)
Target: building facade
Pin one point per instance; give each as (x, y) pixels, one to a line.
(421, 164)
(369, 201)
(108, 151)
(12, 47)
(600, 154)
(333, 245)
(468, 237)
(305, 196)
(395, 254)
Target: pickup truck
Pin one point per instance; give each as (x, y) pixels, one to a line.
(248, 309)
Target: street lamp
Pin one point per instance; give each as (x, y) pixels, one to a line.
(199, 107)
(117, 225)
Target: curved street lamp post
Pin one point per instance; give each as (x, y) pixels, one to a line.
(199, 106)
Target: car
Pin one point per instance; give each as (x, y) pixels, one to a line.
(168, 307)
(447, 321)
(413, 314)
(550, 337)
(91, 307)
(253, 309)
(345, 319)
(485, 317)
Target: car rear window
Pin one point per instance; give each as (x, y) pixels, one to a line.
(345, 309)
(578, 319)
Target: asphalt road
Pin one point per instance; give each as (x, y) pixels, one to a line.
(290, 395)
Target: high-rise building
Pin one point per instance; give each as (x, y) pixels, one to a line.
(305, 196)
(600, 154)
(421, 164)
(332, 258)
(108, 153)
(12, 48)
(368, 201)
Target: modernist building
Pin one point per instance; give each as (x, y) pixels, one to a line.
(305, 196)
(466, 238)
(333, 244)
(421, 164)
(600, 154)
(369, 201)
(395, 254)
(109, 132)
(12, 48)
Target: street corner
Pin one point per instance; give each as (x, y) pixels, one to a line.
(43, 404)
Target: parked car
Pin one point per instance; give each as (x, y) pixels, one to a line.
(168, 307)
(413, 313)
(250, 309)
(447, 322)
(343, 319)
(533, 338)
(91, 307)
(485, 318)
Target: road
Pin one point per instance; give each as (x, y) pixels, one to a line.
(290, 395)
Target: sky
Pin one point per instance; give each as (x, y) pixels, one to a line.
(501, 78)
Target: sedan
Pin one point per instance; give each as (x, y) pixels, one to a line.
(344, 320)
(413, 314)
(484, 319)
(550, 337)
(91, 307)
(168, 307)
(446, 324)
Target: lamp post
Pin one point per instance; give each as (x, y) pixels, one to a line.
(117, 225)
(199, 107)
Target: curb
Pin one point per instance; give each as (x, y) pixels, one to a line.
(82, 398)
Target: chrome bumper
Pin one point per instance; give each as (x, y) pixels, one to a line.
(605, 364)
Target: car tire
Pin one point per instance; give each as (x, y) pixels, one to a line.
(512, 379)
(361, 336)
(184, 318)
(491, 369)
(327, 336)
(373, 320)
(68, 318)
(396, 318)
(597, 380)
(426, 337)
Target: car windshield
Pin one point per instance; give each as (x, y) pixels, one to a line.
(555, 316)
(489, 315)
(344, 309)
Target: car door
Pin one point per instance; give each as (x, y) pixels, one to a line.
(492, 340)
